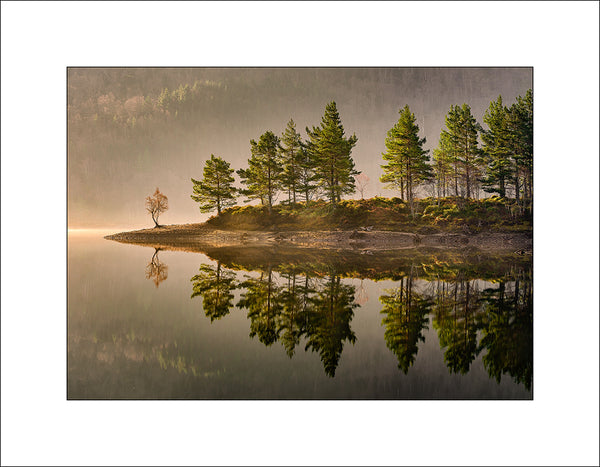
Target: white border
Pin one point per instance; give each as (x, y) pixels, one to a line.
(560, 39)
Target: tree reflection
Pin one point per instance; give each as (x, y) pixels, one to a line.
(215, 285)
(295, 311)
(263, 302)
(298, 304)
(156, 270)
(406, 316)
(508, 335)
(329, 325)
(457, 312)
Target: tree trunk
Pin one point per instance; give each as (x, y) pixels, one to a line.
(455, 180)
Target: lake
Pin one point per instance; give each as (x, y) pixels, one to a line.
(146, 323)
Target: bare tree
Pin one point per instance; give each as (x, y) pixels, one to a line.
(156, 205)
(361, 181)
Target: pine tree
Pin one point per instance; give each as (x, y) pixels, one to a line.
(215, 191)
(520, 122)
(407, 164)
(460, 136)
(334, 166)
(443, 167)
(307, 178)
(263, 176)
(496, 147)
(291, 153)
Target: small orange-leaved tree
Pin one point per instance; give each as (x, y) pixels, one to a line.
(156, 205)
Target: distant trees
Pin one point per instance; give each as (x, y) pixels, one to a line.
(307, 181)
(361, 181)
(216, 190)
(459, 147)
(508, 146)
(330, 151)
(407, 160)
(156, 205)
(444, 168)
(292, 159)
(504, 162)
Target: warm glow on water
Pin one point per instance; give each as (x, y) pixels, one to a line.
(98, 231)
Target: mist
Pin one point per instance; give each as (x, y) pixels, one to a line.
(119, 152)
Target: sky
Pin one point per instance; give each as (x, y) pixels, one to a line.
(108, 188)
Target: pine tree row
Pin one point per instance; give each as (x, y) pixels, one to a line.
(304, 170)
(322, 166)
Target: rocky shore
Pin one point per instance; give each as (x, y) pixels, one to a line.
(199, 236)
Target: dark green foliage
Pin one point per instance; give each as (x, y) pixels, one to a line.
(263, 175)
(216, 189)
(460, 148)
(296, 310)
(520, 122)
(406, 316)
(330, 151)
(497, 141)
(264, 307)
(329, 327)
(407, 161)
(457, 315)
(215, 286)
(508, 333)
(304, 297)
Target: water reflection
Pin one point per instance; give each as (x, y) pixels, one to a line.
(156, 270)
(508, 333)
(457, 317)
(215, 286)
(329, 325)
(406, 317)
(317, 309)
(313, 304)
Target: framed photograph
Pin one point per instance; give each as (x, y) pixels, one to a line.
(300, 233)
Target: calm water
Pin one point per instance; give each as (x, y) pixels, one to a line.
(166, 324)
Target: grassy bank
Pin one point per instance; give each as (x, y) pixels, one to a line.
(430, 216)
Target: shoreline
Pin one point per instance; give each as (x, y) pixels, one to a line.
(196, 237)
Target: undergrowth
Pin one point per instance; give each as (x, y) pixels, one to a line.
(430, 216)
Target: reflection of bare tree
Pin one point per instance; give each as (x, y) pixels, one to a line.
(156, 270)
(362, 296)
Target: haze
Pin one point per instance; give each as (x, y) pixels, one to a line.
(111, 169)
